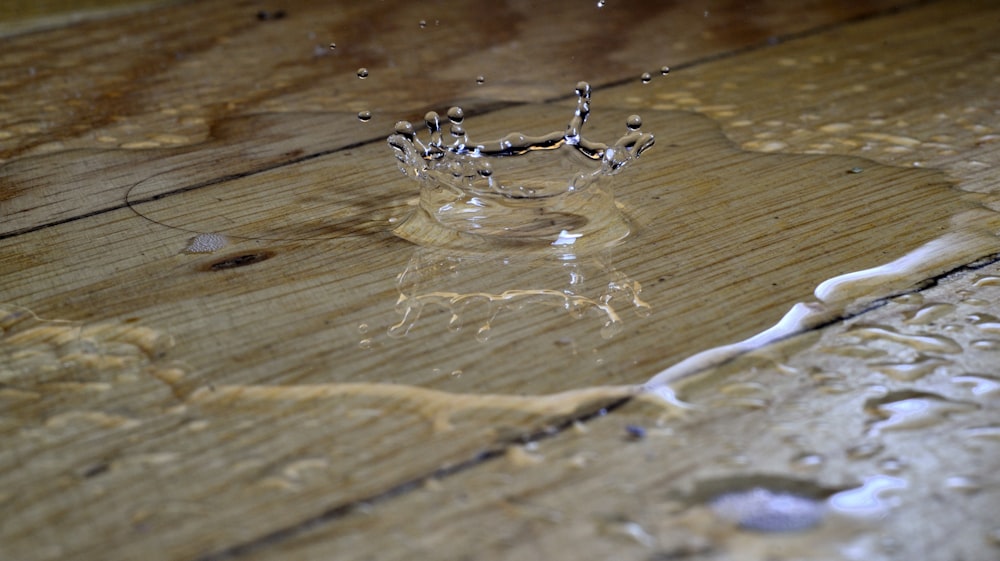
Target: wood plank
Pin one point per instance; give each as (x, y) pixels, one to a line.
(297, 227)
(25, 16)
(199, 77)
(911, 451)
(293, 319)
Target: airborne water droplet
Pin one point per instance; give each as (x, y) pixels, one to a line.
(633, 122)
(333, 46)
(423, 23)
(480, 80)
(646, 77)
(665, 70)
(362, 73)
(364, 116)
(601, 3)
(552, 212)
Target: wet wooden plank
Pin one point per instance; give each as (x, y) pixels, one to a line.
(25, 16)
(196, 72)
(317, 259)
(886, 461)
(902, 397)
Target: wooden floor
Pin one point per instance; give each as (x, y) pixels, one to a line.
(213, 345)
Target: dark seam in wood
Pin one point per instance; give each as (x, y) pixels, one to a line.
(338, 511)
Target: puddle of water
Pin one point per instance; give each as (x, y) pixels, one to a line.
(762, 510)
(908, 410)
(874, 499)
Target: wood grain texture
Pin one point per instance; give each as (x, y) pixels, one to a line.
(800, 417)
(255, 402)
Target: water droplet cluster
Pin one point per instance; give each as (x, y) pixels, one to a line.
(471, 185)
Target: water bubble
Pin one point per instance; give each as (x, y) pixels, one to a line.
(405, 128)
(362, 73)
(365, 343)
(433, 121)
(364, 116)
(456, 115)
(646, 77)
(480, 80)
(363, 328)
(892, 465)
(963, 484)
(633, 122)
(664, 70)
(807, 461)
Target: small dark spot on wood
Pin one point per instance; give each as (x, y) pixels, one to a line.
(294, 153)
(634, 432)
(131, 320)
(241, 260)
(94, 470)
(265, 15)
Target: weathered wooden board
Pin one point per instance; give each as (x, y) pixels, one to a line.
(912, 450)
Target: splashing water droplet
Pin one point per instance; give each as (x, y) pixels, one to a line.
(405, 128)
(364, 116)
(665, 70)
(362, 73)
(646, 77)
(506, 188)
